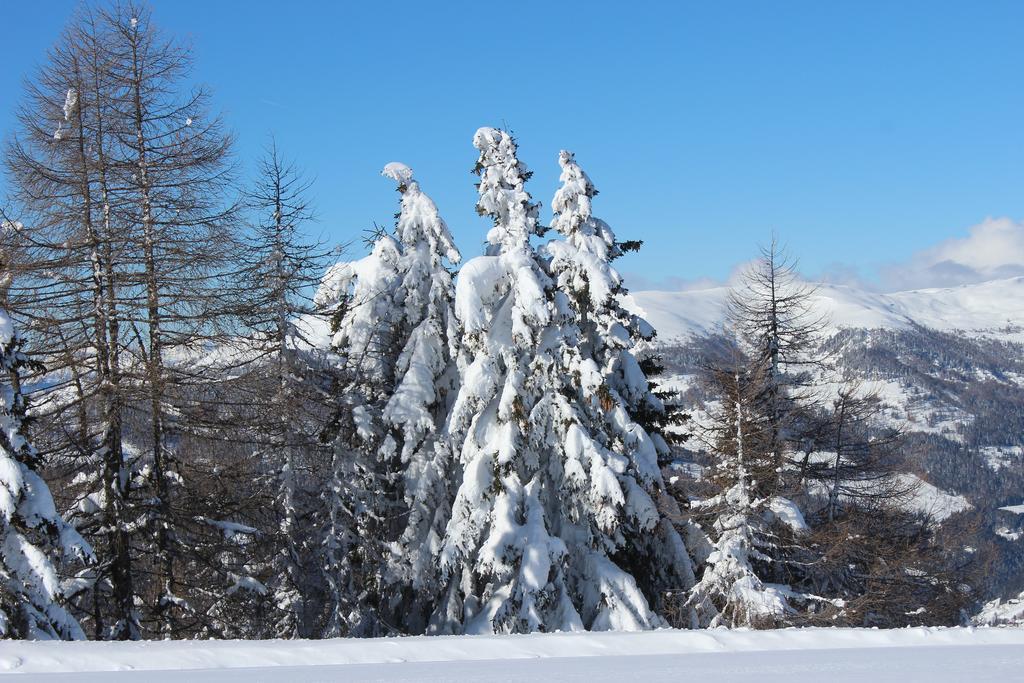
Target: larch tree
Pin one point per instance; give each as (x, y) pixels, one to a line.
(734, 589)
(283, 380)
(66, 290)
(770, 313)
(175, 155)
(124, 184)
(770, 408)
(864, 465)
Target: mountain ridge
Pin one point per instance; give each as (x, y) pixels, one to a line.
(994, 308)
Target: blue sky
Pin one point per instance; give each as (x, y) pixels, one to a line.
(863, 133)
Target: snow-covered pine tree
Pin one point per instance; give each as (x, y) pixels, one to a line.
(618, 539)
(558, 478)
(360, 296)
(33, 536)
(731, 591)
(504, 570)
(392, 486)
(416, 410)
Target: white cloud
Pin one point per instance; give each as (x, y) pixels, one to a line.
(993, 249)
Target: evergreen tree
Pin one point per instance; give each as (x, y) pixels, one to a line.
(732, 590)
(503, 568)
(362, 494)
(620, 536)
(556, 504)
(389, 496)
(33, 536)
(416, 410)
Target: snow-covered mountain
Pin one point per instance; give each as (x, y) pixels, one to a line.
(948, 364)
(994, 308)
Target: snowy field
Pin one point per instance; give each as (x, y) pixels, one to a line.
(791, 655)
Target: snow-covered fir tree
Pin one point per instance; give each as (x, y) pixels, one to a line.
(360, 296)
(557, 487)
(731, 591)
(503, 568)
(621, 537)
(391, 487)
(34, 538)
(416, 410)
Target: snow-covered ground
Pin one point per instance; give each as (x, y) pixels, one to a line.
(1002, 612)
(791, 655)
(938, 504)
(991, 307)
(999, 457)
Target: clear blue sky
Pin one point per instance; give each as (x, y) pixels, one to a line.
(861, 132)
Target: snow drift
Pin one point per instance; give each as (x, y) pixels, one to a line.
(591, 654)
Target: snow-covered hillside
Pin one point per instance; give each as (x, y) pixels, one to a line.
(948, 368)
(1008, 612)
(996, 308)
(789, 655)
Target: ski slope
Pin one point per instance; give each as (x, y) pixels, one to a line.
(990, 307)
(791, 655)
